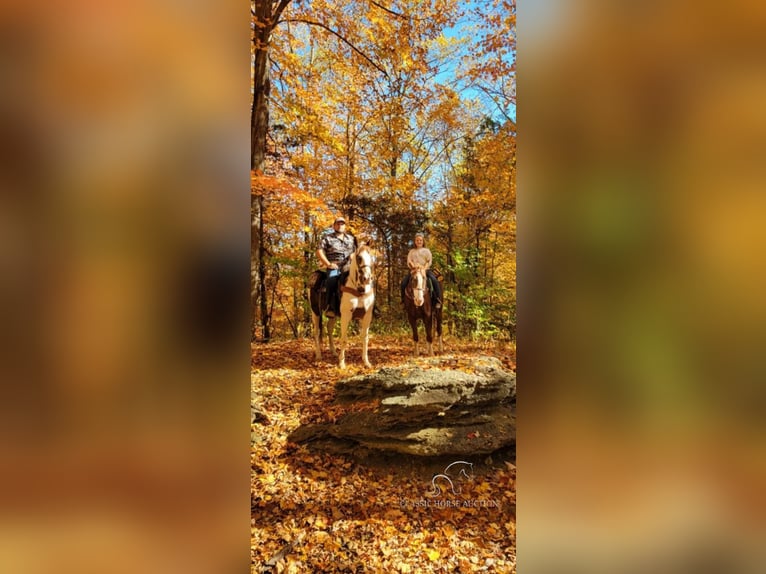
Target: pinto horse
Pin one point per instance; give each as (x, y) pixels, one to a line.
(418, 305)
(357, 301)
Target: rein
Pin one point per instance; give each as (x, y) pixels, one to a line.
(409, 292)
(359, 291)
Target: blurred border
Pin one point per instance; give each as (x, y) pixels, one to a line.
(124, 270)
(641, 282)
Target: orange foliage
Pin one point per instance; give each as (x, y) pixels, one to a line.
(324, 513)
(366, 111)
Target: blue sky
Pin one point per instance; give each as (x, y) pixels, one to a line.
(463, 30)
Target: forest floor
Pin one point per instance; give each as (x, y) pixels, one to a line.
(316, 512)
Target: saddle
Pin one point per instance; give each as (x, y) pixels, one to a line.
(319, 278)
(430, 282)
(317, 283)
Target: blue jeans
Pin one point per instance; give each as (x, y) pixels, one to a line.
(331, 284)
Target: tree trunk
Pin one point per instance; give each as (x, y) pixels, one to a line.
(307, 272)
(476, 256)
(265, 319)
(450, 255)
(389, 270)
(259, 121)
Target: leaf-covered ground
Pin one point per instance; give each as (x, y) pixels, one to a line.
(324, 513)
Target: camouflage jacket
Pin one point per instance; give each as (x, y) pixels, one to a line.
(338, 247)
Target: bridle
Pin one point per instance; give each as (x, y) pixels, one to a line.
(359, 267)
(411, 288)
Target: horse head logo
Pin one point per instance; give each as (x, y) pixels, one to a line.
(463, 465)
(446, 479)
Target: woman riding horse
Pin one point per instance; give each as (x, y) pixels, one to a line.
(420, 256)
(417, 305)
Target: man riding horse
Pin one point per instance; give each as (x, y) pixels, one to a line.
(334, 252)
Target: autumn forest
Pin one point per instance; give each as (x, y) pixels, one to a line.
(399, 116)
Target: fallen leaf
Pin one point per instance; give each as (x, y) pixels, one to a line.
(433, 555)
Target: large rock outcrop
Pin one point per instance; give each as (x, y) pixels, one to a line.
(432, 407)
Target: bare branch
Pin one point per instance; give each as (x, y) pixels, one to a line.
(339, 36)
(397, 14)
(501, 106)
(278, 11)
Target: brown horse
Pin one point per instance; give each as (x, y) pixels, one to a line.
(417, 304)
(319, 301)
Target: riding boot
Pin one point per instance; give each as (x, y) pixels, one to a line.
(437, 298)
(332, 308)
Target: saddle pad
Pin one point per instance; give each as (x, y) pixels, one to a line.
(317, 278)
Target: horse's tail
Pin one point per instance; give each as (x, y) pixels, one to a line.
(436, 319)
(315, 302)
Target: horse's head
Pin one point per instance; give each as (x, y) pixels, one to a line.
(363, 262)
(418, 283)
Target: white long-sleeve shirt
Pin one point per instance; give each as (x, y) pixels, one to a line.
(419, 257)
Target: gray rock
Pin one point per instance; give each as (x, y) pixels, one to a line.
(433, 407)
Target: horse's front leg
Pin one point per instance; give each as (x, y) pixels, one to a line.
(414, 324)
(438, 319)
(344, 320)
(365, 330)
(316, 321)
(330, 331)
(428, 325)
